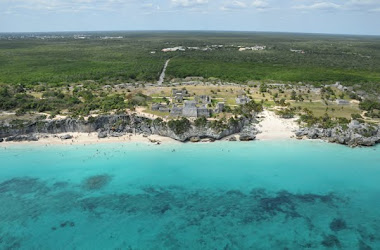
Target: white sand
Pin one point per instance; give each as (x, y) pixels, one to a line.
(92, 138)
(273, 127)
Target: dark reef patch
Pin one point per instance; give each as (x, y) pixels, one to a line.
(256, 206)
(338, 225)
(96, 182)
(287, 203)
(230, 217)
(24, 185)
(364, 246)
(331, 241)
(67, 223)
(60, 184)
(8, 241)
(282, 203)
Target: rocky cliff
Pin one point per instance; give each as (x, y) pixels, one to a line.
(117, 125)
(354, 134)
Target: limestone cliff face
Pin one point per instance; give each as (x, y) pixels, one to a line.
(355, 134)
(115, 125)
(203, 132)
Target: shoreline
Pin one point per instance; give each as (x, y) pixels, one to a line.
(271, 128)
(91, 139)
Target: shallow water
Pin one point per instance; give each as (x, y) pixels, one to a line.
(225, 195)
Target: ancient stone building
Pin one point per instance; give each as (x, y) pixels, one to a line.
(203, 99)
(160, 107)
(241, 100)
(219, 107)
(176, 111)
(203, 111)
(155, 107)
(182, 92)
(189, 109)
(342, 102)
(178, 98)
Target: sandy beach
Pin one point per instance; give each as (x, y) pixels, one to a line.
(92, 138)
(273, 127)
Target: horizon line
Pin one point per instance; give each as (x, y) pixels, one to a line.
(228, 31)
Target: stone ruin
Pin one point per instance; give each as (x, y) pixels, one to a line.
(203, 99)
(190, 109)
(219, 107)
(241, 100)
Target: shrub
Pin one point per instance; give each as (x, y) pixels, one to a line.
(179, 126)
(369, 105)
(200, 122)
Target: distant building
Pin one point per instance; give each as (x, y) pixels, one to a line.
(241, 100)
(297, 51)
(190, 109)
(160, 107)
(178, 98)
(182, 92)
(342, 102)
(155, 106)
(179, 48)
(204, 99)
(219, 107)
(176, 111)
(254, 48)
(203, 111)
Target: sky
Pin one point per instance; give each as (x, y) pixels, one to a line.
(361, 17)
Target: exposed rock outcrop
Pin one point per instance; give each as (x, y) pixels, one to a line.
(66, 137)
(247, 137)
(248, 133)
(18, 138)
(232, 138)
(195, 139)
(354, 134)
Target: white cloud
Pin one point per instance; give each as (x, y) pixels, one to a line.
(241, 4)
(349, 5)
(319, 6)
(189, 3)
(69, 5)
(234, 5)
(362, 4)
(260, 4)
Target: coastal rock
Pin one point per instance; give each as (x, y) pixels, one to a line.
(247, 137)
(354, 134)
(119, 125)
(116, 134)
(208, 140)
(195, 139)
(19, 138)
(301, 132)
(1, 139)
(66, 137)
(232, 138)
(102, 135)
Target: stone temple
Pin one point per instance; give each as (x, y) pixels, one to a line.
(190, 109)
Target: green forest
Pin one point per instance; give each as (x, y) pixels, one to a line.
(31, 60)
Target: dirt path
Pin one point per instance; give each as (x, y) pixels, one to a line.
(162, 76)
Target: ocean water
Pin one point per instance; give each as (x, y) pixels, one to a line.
(224, 195)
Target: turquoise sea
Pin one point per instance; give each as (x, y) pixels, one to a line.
(224, 195)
